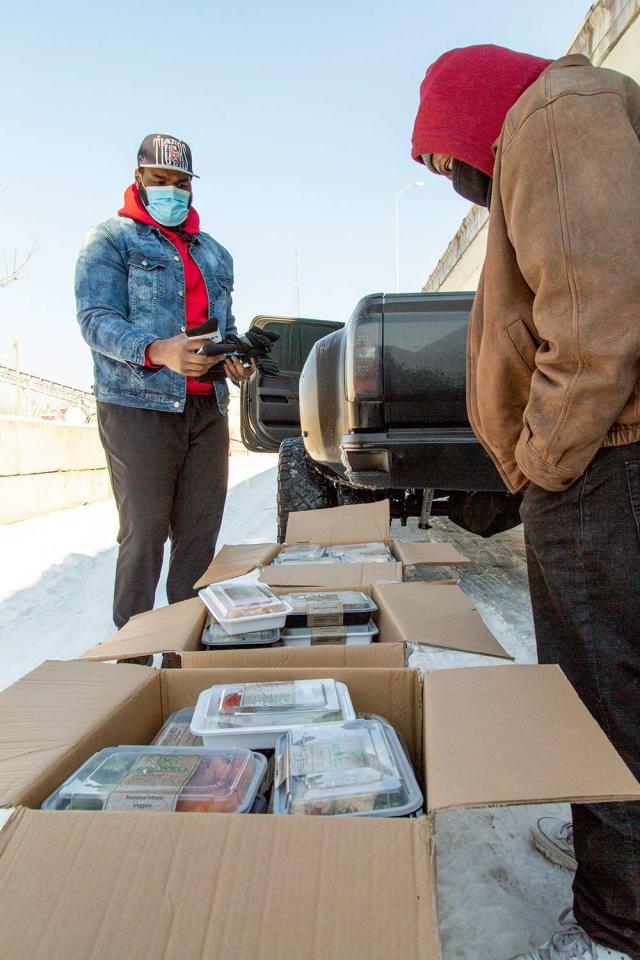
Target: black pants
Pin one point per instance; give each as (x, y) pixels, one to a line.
(169, 476)
(583, 553)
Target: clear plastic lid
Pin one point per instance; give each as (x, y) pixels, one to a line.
(361, 553)
(261, 706)
(357, 768)
(214, 635)
(368, 629)
(348, 600)
(301, 553)
(231, 600)
(184, 779)
(176, 732)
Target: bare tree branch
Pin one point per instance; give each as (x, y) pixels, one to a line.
(12, 270)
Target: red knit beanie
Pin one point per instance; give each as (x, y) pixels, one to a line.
(464, 99)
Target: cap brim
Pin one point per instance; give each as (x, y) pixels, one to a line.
(165, 166)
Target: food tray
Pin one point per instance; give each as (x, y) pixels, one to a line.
(176, 732)
(301, 553)
(361, 553)
(184, 779)
(350, 769)
(244, 607)
(359, 634)
(254, 715)
(328, 609)
(214, 635)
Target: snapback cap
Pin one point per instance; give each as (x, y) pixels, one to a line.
(166, 152)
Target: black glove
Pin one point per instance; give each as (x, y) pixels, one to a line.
(253, 345)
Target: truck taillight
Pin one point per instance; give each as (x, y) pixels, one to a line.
(363, 361)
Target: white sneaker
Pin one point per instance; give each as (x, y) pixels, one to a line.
(570, 942)
(553, 837)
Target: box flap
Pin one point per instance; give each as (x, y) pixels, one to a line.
(236, 559)
(331, 576)
(165, 630)
(326, 655)
(75, 885)
(425, 553)
(515, 735)
(353, 524)
(55, 717)
(436, 615)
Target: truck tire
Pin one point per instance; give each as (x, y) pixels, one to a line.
(485, 513)
(355, 495)
(300, 485)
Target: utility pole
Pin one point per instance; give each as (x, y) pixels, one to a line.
(296, 266)
(18, 404)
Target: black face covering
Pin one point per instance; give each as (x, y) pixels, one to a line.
(470, 183)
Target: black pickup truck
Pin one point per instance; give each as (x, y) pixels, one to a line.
(375, 408)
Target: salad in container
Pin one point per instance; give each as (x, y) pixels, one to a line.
(357, 768)
(244, 607)
(182, 779)
(254, 715)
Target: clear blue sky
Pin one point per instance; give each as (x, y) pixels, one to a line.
(299, 116)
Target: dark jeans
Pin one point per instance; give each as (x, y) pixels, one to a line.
(169, 476)
(583, 553)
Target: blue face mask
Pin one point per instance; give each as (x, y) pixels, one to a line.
(168, 205)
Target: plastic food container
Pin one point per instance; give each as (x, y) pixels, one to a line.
(184, 779)
(342, 607)
(361, 553)
(360, 633)
(244, 607)
(214, 635)
(176, 732)
(353, 769)
(301, 553)
(254, 715)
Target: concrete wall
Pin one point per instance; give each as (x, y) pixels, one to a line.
(47, 466)
(610, 37)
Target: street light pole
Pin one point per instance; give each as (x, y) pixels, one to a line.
(415, 183)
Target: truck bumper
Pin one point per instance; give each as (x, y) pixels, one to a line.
(441, 459)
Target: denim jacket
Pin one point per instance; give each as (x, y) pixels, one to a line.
(130, 292)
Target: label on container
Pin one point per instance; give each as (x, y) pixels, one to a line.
(177, 734)
(307, 694)
(327, 635)
(322, 756)
(154, 782)
(324, 610)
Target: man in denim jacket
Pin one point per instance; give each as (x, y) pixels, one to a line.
(143, 278)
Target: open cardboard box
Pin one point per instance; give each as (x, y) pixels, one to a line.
(364, 523)
(435, 614)
(188, 886)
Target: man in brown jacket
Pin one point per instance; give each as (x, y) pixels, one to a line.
(553, 363)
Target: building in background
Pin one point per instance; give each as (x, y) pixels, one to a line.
(610, 37)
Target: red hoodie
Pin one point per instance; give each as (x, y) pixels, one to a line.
(195, 294)
(464, 99)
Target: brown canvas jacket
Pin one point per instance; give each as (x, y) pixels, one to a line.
(553, 355)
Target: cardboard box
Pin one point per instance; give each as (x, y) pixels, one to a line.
(364, 523)
(435, 614)
(186, 886)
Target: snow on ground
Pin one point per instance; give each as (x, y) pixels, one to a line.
(58, 569)
(496, 895)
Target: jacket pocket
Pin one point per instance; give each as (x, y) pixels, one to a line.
(146, 280)
(633, 482)
(523, 341)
